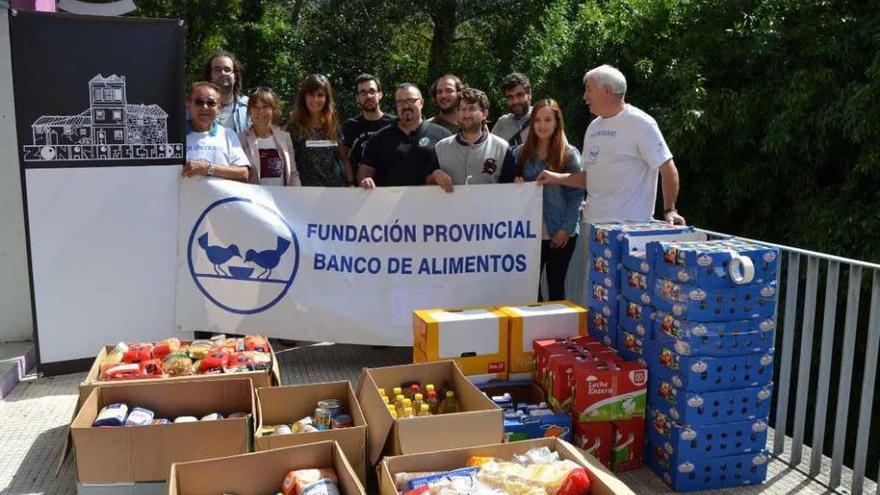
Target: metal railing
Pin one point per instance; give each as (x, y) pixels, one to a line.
(800, 388)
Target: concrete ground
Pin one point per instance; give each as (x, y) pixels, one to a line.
(35, 415)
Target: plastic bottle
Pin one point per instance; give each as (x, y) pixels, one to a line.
(382, 392)
(432, 401)
(414, 389)
(398, 403)
(429, 387)
(449, 404)
(424, 410)
(407, 403)
(386, 400)
(397, 391)
(407, 412)
(417, 402)
(392, 411)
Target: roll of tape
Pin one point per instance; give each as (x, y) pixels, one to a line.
(741, 269)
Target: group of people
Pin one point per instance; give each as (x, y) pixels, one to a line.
(235, 136)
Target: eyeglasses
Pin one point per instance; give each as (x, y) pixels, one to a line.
(408, 101)
(368, 92)
(470, 108)
(222, 70)
(205, 103)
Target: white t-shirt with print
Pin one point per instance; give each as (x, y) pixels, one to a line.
(219, 146)
(621, 157)
(271, 166)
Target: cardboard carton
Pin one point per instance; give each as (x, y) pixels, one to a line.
(595, 439)
(543, 349)
(628, 448)
(145, 453)
(610, 390)
(559, 319)
(603, 482)
(261, 473)
(476, 338)
(480, 422)
(278, 405)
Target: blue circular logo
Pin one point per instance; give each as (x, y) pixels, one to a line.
(243, 256)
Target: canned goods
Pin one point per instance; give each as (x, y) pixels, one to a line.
(332, 405)
(322, 419)
(341, 421)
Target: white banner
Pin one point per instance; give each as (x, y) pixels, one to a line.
(349, 265)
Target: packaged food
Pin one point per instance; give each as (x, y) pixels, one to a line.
(239, 361)
(333, 405)
(122, 371)
(299, 425)
(538, 469)
(186, 419)
(112, 415)
(177, 364)
(256, 343)
(321, 419)
(261, 360)
(165, 348)
(238, 414)
(151, 368)
(444, 475)
(283, 430)
(211, 417)
(268, 430)
(215, 360)
(310, 482)
(139, 416)
(198, 349)
(115, 355)
(341, 421)
(401, 479)
(137, 353)
(160, 421)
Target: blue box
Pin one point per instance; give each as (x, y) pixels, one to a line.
(602, 328)
(631, 347)
(708, 473)
(637, 286)
(601, 266)
(707, 263)
(607, 239)
(729, 338)
(636, 261)
(701, 408)
(693, 302)
(602, 295)
(689, 441)
(610, 281)
(557, 425)
(709, 373)
(636, 318)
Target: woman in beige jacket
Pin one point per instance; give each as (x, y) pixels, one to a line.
(269, 148)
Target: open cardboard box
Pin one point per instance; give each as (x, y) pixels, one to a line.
(602, 481)
(117, 454)
(261, 473)
(480, 422)
(277, 405)
(547, 320)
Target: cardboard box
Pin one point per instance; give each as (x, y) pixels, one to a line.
(549, 320)
(145, 453)
(541, 426)
(277, 405)
(610, 390)
(263, 378)
(476, 338)
(261, 473)
(595, 439)
(603, 482)
(628, 449)
(543, 349)
(480, 422)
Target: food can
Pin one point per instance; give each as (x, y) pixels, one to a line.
(341, 421)
(322, 419)
(332, 405)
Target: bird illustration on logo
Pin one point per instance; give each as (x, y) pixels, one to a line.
(218, 255)
(269, 258)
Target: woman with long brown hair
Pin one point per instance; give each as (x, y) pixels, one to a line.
(268, 147)
(546, 148)
(314, 128)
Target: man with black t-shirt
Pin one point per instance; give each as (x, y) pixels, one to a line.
(356, 131)
(401, 153)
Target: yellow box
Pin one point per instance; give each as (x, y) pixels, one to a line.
(475, 338)
(547, 320)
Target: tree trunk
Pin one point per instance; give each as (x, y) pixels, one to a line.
(444, 15)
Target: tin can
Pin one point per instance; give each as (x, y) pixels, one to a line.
(322, 419)
(341, 421)
(332, 405)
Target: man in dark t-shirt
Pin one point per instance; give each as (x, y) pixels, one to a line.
(401, 153)
(356, 131)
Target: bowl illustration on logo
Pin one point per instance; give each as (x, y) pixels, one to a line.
(241, 272)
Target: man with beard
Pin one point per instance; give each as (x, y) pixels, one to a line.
(514, 126)
(356, 131)
(446, 91)
(473, 156)
(212, 150)
(225, 71)
(401, 153)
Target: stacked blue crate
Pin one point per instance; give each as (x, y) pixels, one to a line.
(609, 248)
(710, 362)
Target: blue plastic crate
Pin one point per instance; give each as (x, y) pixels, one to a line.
(701, 408)
(636, 286)
(602, 328)
(608, 239)
(630, 346)
(689, 441)
(636, 261)
(708, 263)
(709, 373)
(693, 302)
(729, 338)
(708, 473)
(636, 318)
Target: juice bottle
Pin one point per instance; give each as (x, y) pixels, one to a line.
(407, 412)
(382, 391)
(397, 391)
(414, 389)
(417, 402)
(432, 401)
(386, 400)
(424, 410)
(449, 404)
(407, 403)
(398, 403)
(392, 411)
(429, 387)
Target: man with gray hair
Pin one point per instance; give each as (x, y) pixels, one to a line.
(622, 154)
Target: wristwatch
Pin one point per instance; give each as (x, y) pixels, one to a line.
(209, 172)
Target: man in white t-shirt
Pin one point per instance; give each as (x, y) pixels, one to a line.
(622, 154)
(212, 150)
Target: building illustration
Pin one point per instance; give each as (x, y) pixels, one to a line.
(110, 129)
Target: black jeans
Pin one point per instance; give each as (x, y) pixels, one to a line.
(556, 262)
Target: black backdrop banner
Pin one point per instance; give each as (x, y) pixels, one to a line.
(97, 91)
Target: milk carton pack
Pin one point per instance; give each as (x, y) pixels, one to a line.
(609, 390)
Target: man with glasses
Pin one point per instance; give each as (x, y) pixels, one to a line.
(356, 131)
(401, 153)
(446, 92)
(212, 150)
(224, 70)
(473, 156)
(514, 126)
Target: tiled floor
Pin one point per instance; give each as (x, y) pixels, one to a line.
(34, 419)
